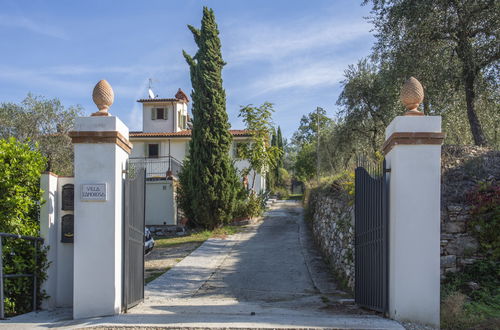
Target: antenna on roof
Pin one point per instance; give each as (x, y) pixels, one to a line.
(150, 91)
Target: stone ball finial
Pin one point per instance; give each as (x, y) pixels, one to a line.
(412, 94)
(103, 97)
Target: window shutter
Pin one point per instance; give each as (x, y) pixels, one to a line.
(153, 113)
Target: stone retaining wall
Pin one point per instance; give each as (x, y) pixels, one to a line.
(331, 212)
(462, 168)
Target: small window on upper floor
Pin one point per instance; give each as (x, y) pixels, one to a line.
(153, 150)
(238, 148)
(159, 113)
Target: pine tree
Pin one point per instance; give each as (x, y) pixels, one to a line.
(209, 182)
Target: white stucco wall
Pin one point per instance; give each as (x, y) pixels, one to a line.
(98, 225)
(48, 231)
(158, 125)
(160, 206)
(65, 252)
(414, 224)
(59, 283)
(178, 147)
(171, 124)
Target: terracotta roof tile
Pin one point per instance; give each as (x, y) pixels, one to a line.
(185, 133)
(159, 100)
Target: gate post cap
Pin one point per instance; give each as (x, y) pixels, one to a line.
(103, 97)
(412, 94)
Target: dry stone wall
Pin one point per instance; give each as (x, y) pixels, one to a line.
(331, 212)
(462, 168)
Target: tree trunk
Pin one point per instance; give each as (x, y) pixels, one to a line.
(475, 125)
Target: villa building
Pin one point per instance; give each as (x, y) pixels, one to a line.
(161, 148)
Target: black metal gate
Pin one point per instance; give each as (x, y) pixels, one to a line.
(133, 249)
(371, 233)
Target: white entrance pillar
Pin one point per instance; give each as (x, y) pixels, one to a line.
(101, 149)
(413, 154)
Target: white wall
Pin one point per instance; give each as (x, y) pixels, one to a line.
(65, 252)
(158, 125)
(48, 231)
(98, 225)
(178, 147)
(414, 224)
(160, 206)
(59, 284)
(171, 124)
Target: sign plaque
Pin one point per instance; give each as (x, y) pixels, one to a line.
(94, 192)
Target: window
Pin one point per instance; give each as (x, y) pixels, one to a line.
(153, 150)
(159, 113)
(238, 149)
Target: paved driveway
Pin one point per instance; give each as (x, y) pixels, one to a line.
(268, 276)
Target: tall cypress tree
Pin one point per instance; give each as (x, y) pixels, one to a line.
(279, 163)
(209, 182)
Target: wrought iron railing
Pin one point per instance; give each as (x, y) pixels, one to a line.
(36, 241)
(157, 168)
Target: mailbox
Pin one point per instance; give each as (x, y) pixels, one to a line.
(67, 229)
(68, 197)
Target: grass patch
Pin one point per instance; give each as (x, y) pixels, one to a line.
(471, 298)
(294, 197)
(198, 237)
(154, 275)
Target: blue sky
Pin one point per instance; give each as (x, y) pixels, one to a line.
(290, 53)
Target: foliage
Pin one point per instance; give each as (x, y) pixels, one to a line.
(209, 180)
(309, 125)
(20, 197)
(251, 206)
(261, 155)
(281, 192)
(368, 103)
(485, 217)
(274, 175)
(456, 41)
(45, 122)
(19, 187)
(472, 296)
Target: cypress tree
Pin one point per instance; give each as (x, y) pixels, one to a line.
(279, 163)
(279, 143)
(209, 182)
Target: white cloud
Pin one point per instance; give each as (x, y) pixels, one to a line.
(32, 26)
(272, 43)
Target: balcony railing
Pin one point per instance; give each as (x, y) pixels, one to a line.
(157, 168)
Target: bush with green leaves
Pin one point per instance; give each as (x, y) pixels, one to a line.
(249, 205)
(472, 297)
(20, 198)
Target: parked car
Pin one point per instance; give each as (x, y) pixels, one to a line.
(149, 242)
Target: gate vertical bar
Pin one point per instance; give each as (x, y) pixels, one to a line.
(35, 244)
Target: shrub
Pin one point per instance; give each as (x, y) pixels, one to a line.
(280, 192)
(472, 296)
(20, 197)
(249, 205)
